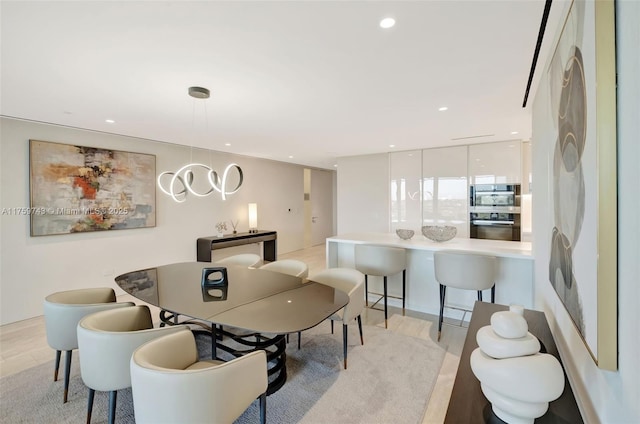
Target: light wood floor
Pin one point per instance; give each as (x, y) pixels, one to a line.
(23, 344)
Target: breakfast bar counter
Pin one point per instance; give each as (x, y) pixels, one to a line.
(515, 269)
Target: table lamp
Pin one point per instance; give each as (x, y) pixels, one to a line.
(253, 218)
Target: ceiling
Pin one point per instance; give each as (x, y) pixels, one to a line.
(303, 82)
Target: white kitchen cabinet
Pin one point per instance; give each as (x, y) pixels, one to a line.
(495, 163)
(526, 168)
(405, 170)
(445, 188)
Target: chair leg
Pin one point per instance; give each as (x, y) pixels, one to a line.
(57, 366)
(67, 371)
(440, 318)
(404, 288)
(92, 394)
(480, 295)
(263, 408)
(360, 329)
(366, 290)
(493, 294)
(299, 338)
(331, 325)
(214, 342)
(113, 397)
(385, 301)
(344, 340)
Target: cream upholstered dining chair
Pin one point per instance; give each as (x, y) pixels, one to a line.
(62, 312)
(170, 384)
(242, 259)
(350, 281)
(291, 267)
(381, 261)
(106, 341)
(288, 266)
(463, 270)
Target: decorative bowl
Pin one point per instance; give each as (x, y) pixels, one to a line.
(439, 233)
(404, 234)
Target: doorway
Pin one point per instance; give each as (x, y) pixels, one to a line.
(318, 206)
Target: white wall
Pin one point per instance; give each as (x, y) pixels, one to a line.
(32, 267)
(604, 396)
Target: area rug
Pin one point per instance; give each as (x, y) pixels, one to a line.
(388, 380)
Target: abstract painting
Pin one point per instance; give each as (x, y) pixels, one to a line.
(75, 189)
(583, 259)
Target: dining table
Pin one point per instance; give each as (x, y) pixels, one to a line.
(242, 309)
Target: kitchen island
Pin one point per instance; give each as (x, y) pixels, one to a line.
(515, 270)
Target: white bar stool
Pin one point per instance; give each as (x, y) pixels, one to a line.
(381, 261)
(464, 270)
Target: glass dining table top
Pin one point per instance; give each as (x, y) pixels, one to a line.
(254, 299)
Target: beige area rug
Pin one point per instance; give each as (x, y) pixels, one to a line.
(389, 380)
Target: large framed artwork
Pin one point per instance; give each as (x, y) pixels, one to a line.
(76, 189)
(583, 255)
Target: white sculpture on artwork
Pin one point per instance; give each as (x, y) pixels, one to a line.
(517, 379)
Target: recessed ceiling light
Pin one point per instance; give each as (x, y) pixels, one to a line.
(227, 144)
(290, 157)
(392, 145)
(109, 121)
(514, 132)
(387, 23)
(335, 165)
(443, 108)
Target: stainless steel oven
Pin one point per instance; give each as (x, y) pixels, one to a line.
(495, 212)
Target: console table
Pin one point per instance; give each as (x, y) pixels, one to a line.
(469, 405)
(268, 238)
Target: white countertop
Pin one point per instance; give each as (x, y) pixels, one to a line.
(504, 249)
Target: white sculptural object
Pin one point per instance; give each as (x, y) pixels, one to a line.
(517, 379)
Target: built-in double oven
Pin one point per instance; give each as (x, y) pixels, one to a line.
(495, 211)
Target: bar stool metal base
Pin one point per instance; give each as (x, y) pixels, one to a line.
(385, 295)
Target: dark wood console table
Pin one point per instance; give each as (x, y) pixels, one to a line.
(268, 238)
(469, 405)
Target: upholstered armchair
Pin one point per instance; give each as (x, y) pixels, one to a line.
(351, 282)
(242, 259)
(170, 384)
(290, 267)
(62, 312)
(106, 341)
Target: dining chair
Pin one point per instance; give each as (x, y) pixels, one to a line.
(242, 259)
(62, 312)
(291, 267)
(350, 281)
(288, 266)
(463, 270)
(106, 341)
(170, 384)
(381, 261)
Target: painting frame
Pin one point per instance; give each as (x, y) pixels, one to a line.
(79, 189)
(583, 257)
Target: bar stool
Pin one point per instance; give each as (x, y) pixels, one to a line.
(381, 261)
(464, 270)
